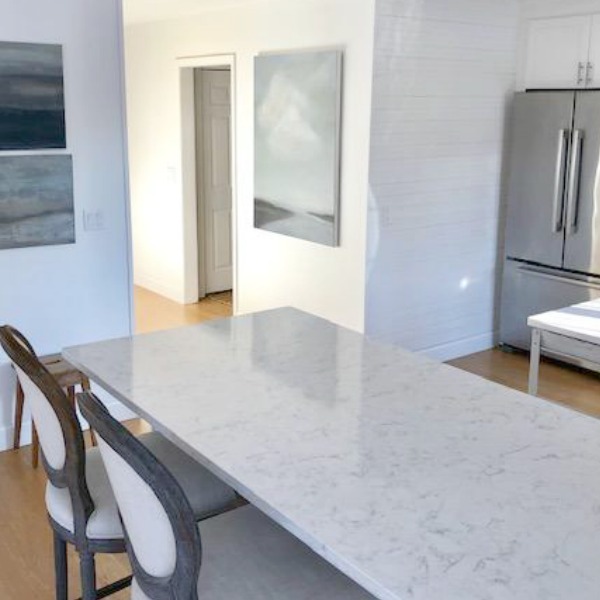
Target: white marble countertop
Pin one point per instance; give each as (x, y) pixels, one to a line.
(419, 481)
(580, 321)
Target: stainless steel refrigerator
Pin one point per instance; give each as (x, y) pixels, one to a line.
(552, 251)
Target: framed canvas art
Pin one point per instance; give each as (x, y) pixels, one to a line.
(297, 144)
(32, 107)
(36, 201)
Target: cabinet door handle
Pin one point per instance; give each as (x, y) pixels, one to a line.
(589, 74)
(581, 73)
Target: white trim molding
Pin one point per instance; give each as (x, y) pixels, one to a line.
(186, 66)
(461, 348)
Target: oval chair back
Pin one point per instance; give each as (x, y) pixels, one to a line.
(161, 533)
(61, 438)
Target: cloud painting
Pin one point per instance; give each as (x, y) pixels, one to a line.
(297, 134)
(36, 201)
(32, 110)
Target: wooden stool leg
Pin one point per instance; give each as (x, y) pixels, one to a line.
(93, 437)
(19, 402)
(71, 396)
(35, 446)
(86, 387)
(35, 442)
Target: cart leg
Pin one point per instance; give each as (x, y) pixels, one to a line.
(534, 362)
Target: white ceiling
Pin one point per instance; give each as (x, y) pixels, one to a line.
(139, 11)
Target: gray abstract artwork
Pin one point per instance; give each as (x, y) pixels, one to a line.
(32, 107)
(36, 201)
(297, 139)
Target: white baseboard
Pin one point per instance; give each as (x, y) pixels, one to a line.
(461, 348)
(159, 287)
(117, 410)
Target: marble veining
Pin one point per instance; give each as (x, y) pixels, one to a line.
(419, 481)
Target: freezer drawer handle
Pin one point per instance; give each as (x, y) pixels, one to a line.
(559, 182)
(574, 177)
(560, 278)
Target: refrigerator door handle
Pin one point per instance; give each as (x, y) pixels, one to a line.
(574, 179)
(559, 181)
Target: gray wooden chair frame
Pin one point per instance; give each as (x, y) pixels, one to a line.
(182, 584)
(71, 476)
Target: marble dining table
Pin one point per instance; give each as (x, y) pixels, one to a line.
(417, 480)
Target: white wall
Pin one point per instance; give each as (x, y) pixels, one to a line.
(272, 270)
(63, 295)
(444, 73)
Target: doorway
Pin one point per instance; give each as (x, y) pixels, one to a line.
(208, 170)
(212, 108)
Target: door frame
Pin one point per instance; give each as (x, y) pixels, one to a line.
(186, 66)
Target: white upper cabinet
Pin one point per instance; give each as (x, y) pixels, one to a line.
(558, 52)
(593, 75)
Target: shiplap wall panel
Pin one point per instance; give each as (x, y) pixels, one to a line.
(451, 168)
(541, 9)
(444, 74)
(442, 39)
(426, 133)
(486, 12)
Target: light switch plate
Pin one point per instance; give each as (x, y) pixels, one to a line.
(93, 220)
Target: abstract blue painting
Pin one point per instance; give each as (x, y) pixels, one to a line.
(297, 144)
(32, 107)
(36, 201)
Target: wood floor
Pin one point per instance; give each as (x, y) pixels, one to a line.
(26, 571)
(574, 388)
(153, 312)
(26, 563)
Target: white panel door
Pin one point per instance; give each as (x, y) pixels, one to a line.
(215, 232)
(594, 61)
(557, 53)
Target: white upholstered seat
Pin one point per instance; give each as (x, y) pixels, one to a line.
(205, 492)
(104, 523)
(247, 556)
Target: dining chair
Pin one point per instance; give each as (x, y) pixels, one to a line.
(238, 555)
(67, 377)
(79, 500)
